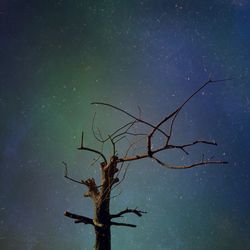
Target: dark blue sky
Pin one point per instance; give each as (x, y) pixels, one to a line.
(59, 56)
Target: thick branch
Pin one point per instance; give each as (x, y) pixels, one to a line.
(79, 218)
(202, 162)
(122, 224)
(126, 211)
(133, 158)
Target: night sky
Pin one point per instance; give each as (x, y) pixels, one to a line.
(59, 56)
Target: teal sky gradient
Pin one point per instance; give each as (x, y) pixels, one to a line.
(59, 56)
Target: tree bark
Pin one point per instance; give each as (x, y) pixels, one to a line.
(102, 216)
(103, 238)
(102, 222)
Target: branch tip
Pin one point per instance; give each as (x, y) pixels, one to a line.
(81, 147)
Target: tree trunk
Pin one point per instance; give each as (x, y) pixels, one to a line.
(102, 213)
(102, 227)
(103, 238)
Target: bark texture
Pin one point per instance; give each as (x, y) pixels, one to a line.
(102, 204)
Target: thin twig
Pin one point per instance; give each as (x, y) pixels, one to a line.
(69, 178)
(92, 150)
(125, 112)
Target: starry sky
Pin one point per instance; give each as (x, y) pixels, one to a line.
(59, 56)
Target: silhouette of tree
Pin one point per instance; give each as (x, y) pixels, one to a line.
(113, 167)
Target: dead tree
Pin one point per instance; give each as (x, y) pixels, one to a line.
(111, 167)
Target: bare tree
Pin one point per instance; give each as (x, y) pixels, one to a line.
(112, 167)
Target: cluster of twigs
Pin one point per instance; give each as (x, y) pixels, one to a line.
(125, 131)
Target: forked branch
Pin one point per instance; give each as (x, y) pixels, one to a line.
(92, 150)
(176, 112)
(182, 147)
(156, 128)
(127, 211)
(200, 163)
